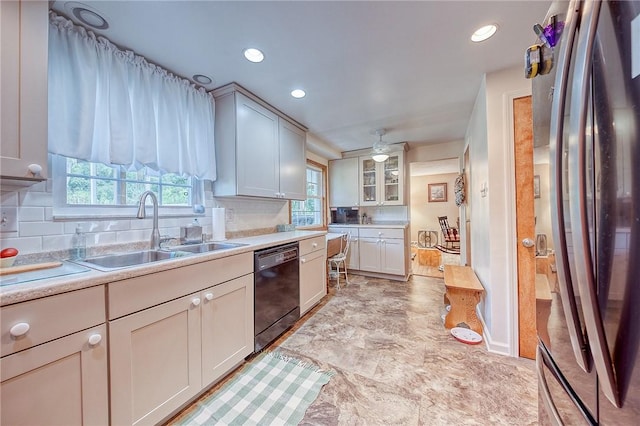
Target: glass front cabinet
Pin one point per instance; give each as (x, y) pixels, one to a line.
(382, 184)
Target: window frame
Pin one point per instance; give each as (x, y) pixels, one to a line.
(62, 210)
(323, 198)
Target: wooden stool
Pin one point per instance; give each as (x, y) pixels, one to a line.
(464, 292)
(429, 257)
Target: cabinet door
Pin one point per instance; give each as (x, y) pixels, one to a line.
(227, 327)
(293, 161)
(155, 361)
(257, 154)
(353, 257)
(393, 256)
(368, 182)
(370, 254)
(344, 183)
(23, 87)
(313, 280)
(392, 180)
(63, 382)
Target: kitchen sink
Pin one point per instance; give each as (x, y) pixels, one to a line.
(205, 247)
(115, 261)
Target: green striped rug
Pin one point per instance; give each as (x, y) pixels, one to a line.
(272, 389)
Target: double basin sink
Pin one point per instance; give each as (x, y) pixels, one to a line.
(111, 262)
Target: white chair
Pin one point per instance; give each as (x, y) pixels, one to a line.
(340, 260)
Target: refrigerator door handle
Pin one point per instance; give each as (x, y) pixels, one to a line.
(578, 342)
(578, 204)
(544, 391)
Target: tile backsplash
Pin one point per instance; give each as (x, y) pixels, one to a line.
(38, 231)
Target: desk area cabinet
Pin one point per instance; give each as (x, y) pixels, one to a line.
(380, 251)
(344, 182)
(382, 184)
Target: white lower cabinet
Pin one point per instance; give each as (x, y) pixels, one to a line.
(155, 361)
(54, 360)
(383, 251)
(63, 382)
(313, 272)
(227, 327)
(163, 354)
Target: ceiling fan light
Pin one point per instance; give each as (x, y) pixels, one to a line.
(379, 158)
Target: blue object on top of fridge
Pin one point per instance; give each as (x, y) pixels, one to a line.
(588, 111)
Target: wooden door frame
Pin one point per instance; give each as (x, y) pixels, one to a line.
(514, 298)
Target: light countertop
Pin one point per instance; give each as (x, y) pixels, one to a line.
(387, 225)
(46, 287)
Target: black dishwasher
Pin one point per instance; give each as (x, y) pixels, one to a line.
(277, 292)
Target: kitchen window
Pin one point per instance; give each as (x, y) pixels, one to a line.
(310, 213)
(87, 189)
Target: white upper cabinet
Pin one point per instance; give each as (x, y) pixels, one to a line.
(259, 153)
(293, 161)
(344, 183)
(23, 90)
(382, 184)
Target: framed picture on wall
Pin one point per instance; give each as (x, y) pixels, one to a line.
(536, 186)
(437, 192)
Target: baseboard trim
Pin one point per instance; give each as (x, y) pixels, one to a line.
(492, 346)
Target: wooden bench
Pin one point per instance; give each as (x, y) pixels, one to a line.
(463, 292)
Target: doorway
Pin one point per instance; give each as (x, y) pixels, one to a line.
(424, 227)
(531, 182)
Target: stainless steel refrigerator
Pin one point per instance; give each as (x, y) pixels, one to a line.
(586, 104)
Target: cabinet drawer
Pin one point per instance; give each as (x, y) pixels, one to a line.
(136, 294)
(51, 317)
(312, 244)
(381, 233)
(344, 230)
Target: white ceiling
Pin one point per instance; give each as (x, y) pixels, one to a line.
(408, 67)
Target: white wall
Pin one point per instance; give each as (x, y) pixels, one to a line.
(38, 232)
(492, 216)
(424, 215)
(440, 151)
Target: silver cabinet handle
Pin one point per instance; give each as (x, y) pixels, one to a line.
(556, 149)
(544, 390)
(579, 204)
(528, 243)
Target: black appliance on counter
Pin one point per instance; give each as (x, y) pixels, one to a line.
(276, 293)
(344, 215)
(588, 111)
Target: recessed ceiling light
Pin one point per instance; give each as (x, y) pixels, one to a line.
(298, 93)
(90, 18)
(254, 55)
(484, 33)
(202, 79)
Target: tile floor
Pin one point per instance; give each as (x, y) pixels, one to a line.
(397, 365)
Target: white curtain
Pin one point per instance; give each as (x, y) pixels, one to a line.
(111, 106)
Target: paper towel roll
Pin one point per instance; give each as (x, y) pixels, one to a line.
(218, 224)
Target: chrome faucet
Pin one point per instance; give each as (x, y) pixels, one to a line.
(155, 233)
